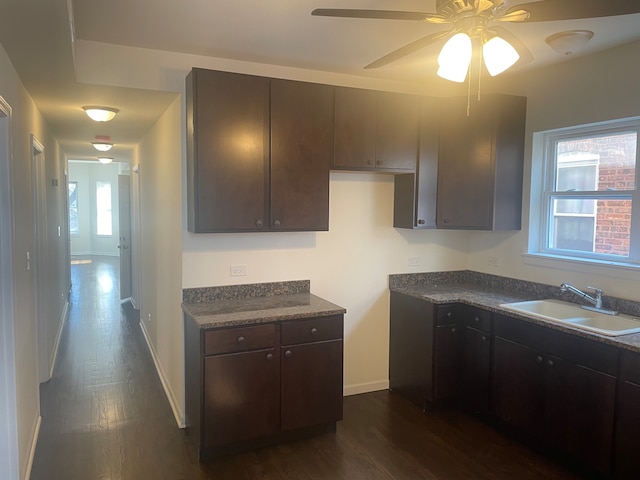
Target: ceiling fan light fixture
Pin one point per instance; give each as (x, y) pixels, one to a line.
(100, 114)
(105, 160)
(566, 43)
(498, 55)
(455, 57)
(101, 146)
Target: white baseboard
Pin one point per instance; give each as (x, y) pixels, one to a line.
(365, 388)
(179, 416)
(32, 450)
(63, 321)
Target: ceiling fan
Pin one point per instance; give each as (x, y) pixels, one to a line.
(472, 23)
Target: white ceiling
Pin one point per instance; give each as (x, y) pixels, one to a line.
(37, 36)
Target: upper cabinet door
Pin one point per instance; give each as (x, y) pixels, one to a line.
(227, 151)
(375, 131)
(355, 128)
(397, 131)
(480, 163)
(301, 152)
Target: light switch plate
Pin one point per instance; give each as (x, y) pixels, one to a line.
(238, 270)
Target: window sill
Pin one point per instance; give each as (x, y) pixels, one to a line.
(584, 265)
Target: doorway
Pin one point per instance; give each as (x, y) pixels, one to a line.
(8, 407)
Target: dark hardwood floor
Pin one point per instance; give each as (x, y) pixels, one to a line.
(105, 417)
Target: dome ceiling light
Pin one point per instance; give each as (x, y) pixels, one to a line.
(102, 146)
(105, 160)
(100, 114)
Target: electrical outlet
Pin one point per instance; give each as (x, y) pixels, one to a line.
(493, 261)
(415, 261)
(238, 270)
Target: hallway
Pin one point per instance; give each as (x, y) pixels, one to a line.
(105, 416)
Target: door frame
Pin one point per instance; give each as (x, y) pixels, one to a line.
(9, 454)
(39, 259)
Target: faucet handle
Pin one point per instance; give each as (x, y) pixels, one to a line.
(597, 290)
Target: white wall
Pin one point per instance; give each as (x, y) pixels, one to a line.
(87, 174)
(587, 90)
(26, 120)
(348, 265)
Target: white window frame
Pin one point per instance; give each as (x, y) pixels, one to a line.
(544, 193)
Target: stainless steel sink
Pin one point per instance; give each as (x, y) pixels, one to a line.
(572, 314)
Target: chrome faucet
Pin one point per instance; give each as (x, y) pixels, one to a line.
(595, 301)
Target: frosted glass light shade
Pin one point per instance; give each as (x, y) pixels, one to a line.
(455, 57)
(101, 146)
(105, 160)
(100, 114)
(498, 55)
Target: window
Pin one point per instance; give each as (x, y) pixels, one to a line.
(103, 206)
(589, 190)
(74, 226)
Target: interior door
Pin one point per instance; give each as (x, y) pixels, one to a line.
(124, 243)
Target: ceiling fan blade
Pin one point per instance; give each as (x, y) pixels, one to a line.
(514, 16)
(521, 48)
(407, 49)
(380, 14)
(550, 10)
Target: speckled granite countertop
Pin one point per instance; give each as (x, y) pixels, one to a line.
(232, 306)
(490, 291)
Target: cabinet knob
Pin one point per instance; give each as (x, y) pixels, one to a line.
(550, 363)
(259, 223)
(454, 330)
(538, 359)
(276, 223)
(314, 330)
(240, 339)
(445, 220)
(449, 314)
(269, 356)
(484, 338)
(476, 319)
(288, 353)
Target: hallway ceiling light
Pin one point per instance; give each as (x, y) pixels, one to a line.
(102, 146)
(566, 43)
(100, 114)
(105, 160)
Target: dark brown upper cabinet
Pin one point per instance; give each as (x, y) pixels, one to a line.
(375, 131)
(414, 202)
(480, 163)
(258, 153)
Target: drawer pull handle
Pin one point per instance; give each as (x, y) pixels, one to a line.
(269, 356)
(314, 330)
(240, 339)
(288, 353)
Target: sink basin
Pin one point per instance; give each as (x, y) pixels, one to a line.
(572, 314)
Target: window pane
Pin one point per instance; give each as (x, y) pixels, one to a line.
(597, 163)
(74, 227)
(606, 231)
(103, 204)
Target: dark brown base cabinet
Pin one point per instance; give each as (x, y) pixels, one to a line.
(557, 391)
(627, 452)
(249, 385)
